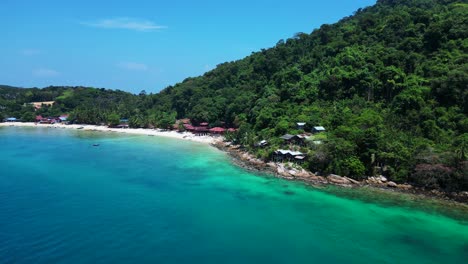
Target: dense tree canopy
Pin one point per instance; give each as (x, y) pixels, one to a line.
(389, 83)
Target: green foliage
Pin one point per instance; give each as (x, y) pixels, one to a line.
(113, 119)
(388, 83)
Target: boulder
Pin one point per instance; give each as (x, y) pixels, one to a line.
(392, 184)
(303, 174)
(271, 164)
(337, 179)
(382, 178)
(352, 180)
(404, 186)
(321, 179)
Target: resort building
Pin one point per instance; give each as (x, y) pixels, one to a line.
(300, 125)
(282, 155)
(294, 139)
(318, 129)
(11, 119)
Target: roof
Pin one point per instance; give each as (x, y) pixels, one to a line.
(319, 128)
(200, 129)
(295, 153)
(232, 129)
(287, 137)
(301, 123)
(204, 124)
(217, 130)
(290, 152)
(188, 127)
(11, 119)
(39, 117)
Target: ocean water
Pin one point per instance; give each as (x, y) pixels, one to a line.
(140, 199)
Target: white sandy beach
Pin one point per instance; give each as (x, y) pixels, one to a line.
(137, 131)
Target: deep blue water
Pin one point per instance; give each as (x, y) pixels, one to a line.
(139, 199)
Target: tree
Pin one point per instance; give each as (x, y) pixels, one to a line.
(113, 120)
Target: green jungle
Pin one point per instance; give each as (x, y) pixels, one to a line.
(389, 84)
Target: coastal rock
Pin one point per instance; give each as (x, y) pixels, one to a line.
(352, 180)
(282, 171)
(303, 174)
(337, 179)
(404, 186)
(376, 180)
(271, 164)
(392, 184)
(321, 179)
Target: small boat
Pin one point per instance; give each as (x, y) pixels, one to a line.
(150, 135)
(80, 127)
(95, 145)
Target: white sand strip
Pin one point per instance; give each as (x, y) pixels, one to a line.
(137, 131)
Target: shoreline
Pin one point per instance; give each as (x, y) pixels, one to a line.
(248, 162)
(210, 140)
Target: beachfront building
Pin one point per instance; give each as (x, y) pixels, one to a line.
(122, 125)
(201, 131)
(217, 130)
(11, 119)
(189, 127)
(63, 118)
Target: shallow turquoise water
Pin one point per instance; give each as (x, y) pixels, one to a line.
(139, 199)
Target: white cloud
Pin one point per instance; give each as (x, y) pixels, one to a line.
(30, 52)
(133, 66)
(43, 72)
(125, 23)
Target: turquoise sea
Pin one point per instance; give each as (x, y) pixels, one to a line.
(140, 199)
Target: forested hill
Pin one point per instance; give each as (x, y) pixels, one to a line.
(389, 82)
(390, 85)
(405, 55)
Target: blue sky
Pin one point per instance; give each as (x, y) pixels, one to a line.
(136, 45)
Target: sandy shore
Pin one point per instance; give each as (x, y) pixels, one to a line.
(137, 131)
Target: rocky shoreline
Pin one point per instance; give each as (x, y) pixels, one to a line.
(290, 171)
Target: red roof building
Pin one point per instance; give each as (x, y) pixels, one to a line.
(217, 130)
(189, 127)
